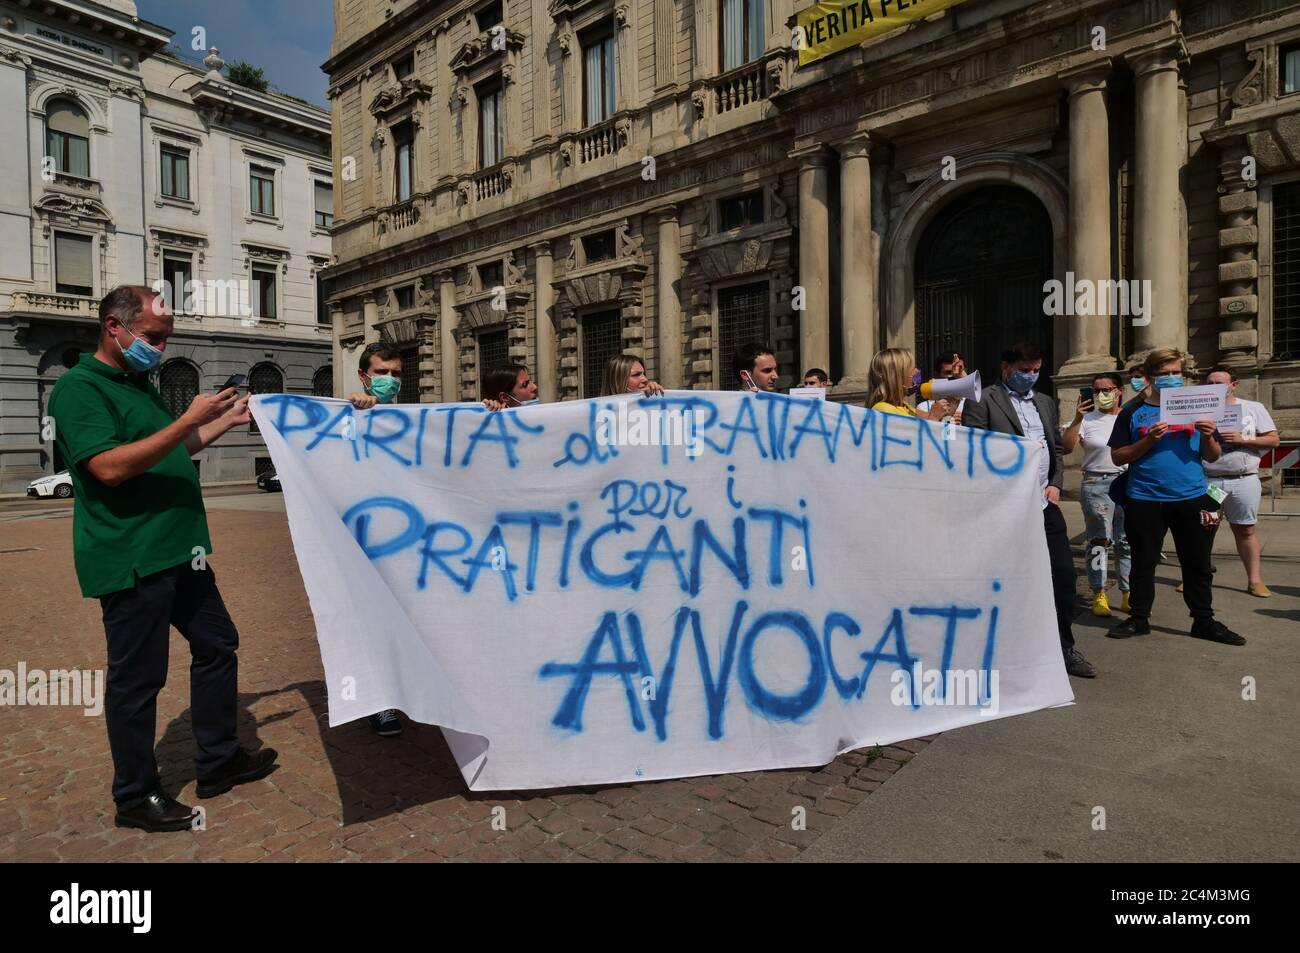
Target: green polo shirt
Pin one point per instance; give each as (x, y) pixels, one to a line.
(143, 525)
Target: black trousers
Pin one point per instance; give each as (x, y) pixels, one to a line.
(137, 623)
(1063, 573)
(1146, 523)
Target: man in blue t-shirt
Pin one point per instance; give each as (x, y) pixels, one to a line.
(1166, 493)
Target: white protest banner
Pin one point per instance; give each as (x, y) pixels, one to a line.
(1186, 405)
(582, 594)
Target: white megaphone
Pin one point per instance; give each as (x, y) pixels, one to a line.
(963, 388)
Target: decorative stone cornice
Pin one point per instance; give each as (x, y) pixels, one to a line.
(481, 49)
(395, 96)
(72, 209)
(1089, 77)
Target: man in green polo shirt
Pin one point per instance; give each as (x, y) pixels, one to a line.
(140, 543)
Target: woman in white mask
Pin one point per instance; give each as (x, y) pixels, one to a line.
(1094, 419)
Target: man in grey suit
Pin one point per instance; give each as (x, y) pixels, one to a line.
(1013, 407)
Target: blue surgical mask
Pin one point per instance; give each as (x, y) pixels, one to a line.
(141, 356)
(1138, 384)
(385, 387)
(1022, 382)
(525, 403)
(1165, 381)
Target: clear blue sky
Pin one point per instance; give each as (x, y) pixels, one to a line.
(288, 39)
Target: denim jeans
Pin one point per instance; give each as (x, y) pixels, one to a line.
(1104, 521)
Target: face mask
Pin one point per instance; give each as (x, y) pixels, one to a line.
(141, 356)
(1021, 381)
(916, 383)
(1106, 401)
(385, 387)
(1138, 384)
(1169, 380)
(525, 403)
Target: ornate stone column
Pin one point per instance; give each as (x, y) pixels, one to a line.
(814, 260)
(370, 315)
(546, 373)
(857, 276)
(1160, 244)
(447, 333)
(1089, 256)
(668, 306)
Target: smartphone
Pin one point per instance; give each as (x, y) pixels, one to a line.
(1085, 393)
(234, 380)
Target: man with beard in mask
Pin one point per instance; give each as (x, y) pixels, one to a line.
(1012, 406)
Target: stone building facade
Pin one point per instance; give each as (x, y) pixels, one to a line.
(555, 182)
(120, 163)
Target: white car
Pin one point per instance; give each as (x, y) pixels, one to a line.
(59, 485)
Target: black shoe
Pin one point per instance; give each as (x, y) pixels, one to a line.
(386, 724)
(240, 769)
(1078, 666)
(1216, 631)
(158, 813)
(1128, 628)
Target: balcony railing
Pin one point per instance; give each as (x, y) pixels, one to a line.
(398, 218)
(740, 87)
(490, 183)
(50, 303)
(599, 141)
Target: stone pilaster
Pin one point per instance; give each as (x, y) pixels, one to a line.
(668, 308)
(450, 375)
(814, 259)
(545, 373)
(1238, 261)
(857, 277)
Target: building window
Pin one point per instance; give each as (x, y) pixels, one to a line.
(602, 338)
(490, 275)
(264, 294)
(264, 379)
(261, 191)
(742, 32)
(322, 382)
(67, 137)
(404, 67)
(324, 204)
(598, 247)
(742, 320)
(598, 76)
(322, 306)
(1290, 57)
(178, 272)
(73, 271)
(740, 211)
(410, 392)
(1286, 272)
(493, 351)
(491, 124)
(405, 297)
(489, 16)
(404, 160)
(175, 173)
(178, 383)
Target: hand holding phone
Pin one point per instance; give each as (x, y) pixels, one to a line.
(234, 380)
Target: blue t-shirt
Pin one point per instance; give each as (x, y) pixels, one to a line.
(1171, 470)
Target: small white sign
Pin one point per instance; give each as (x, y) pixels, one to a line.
(810, 393)
(1186, 405)
(1230, 420)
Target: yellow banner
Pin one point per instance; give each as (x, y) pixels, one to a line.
(834, 25)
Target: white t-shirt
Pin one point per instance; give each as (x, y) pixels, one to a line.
(1094, 435)
(1255, 421)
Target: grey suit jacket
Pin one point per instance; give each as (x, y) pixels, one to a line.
(993, 411)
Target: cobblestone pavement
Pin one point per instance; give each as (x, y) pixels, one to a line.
(340, 794)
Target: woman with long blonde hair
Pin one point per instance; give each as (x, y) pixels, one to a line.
(625, 374)
(892, 376)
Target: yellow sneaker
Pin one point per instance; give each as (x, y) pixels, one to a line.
(1124, 607)
(1259, 589)
(1100, 606)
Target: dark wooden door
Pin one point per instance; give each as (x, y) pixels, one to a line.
(980, 270)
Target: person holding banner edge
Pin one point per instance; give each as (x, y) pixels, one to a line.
(1013, 407)
(1166, 492)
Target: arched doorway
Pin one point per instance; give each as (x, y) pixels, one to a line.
(980, 268)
